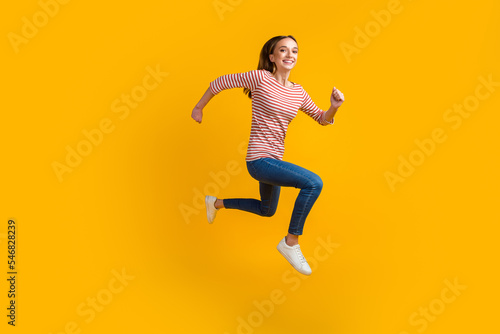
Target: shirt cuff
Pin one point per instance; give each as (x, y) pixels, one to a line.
(324, 121)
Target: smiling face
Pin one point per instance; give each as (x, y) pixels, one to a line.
(285, 54)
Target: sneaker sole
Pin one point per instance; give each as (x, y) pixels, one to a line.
(207, 205)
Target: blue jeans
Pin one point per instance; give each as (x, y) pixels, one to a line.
(272, 174)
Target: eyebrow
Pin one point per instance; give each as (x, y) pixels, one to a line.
(292, 48)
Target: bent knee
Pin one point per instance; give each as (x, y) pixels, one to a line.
(269, 213)
(316, 183)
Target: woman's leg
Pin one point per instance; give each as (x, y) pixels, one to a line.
(266, 206)
(282, 173)
(272, 174)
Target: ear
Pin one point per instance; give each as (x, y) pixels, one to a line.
(271, 58)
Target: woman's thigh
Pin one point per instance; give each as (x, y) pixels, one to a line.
(281, 173)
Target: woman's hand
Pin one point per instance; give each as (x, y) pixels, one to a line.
(337, 98)
(197, 114)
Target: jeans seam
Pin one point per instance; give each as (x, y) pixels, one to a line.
(271, 201)
(307, 202)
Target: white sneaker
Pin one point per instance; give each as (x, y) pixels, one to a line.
(295, 257)
(211, 210)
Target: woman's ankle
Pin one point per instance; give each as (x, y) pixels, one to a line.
(292, 239)
(219, 204)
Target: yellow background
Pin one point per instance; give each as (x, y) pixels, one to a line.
(120, 208)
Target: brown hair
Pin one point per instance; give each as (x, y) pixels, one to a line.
(264, 61)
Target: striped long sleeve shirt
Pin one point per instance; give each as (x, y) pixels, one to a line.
(274, 106)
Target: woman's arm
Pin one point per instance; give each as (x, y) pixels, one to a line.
(197, 113)
(248, 80)
(319, 115)
(336, 100)
(330, 114)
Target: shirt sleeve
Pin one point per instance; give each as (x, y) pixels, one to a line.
(311, 109)
(248, 80)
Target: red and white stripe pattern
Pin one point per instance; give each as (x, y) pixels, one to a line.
(274, 106)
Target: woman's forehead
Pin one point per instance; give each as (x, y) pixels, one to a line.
(287, 42)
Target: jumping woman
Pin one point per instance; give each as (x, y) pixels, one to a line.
(275, 102)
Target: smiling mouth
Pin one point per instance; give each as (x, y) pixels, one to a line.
(288, 62)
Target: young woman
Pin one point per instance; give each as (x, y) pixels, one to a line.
(275, 102)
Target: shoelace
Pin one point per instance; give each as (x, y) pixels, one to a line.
(299, 254)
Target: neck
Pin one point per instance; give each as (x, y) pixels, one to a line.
(282, 76)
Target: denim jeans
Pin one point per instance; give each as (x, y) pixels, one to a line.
(272, 174)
